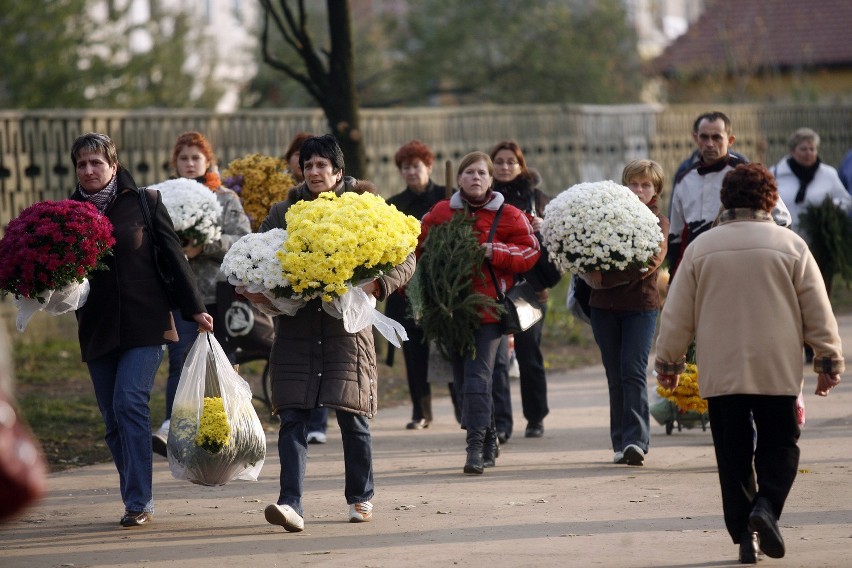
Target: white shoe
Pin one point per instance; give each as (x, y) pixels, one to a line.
(634, 455)
(285, 516)
(160, 439)
(317, 438)
(361, 512)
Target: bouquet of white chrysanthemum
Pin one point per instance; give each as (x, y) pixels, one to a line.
(194, 209)
(600, 226)
(252, 263)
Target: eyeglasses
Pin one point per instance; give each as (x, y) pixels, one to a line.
(510, 163)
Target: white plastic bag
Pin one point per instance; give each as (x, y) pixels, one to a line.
(215, 435)
(358, 310)
(56, 302)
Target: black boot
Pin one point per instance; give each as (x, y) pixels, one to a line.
(490, 448)
(475, 439)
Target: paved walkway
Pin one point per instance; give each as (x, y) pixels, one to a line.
(555, 501)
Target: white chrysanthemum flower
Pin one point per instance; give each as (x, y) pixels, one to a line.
(600, 226)
(194, 209)
(252, 261)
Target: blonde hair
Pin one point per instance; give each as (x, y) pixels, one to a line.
(647, 168)
(801, 135)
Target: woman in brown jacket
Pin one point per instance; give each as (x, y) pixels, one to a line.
(624, 306)
(126, 319)
(315, 362)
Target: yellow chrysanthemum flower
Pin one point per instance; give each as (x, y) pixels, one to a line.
(336, 241)
(214, 432)
(262, 182)
(686, 395)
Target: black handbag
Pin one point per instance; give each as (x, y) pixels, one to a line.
(521, 309)
(241, 326)
(161, 262)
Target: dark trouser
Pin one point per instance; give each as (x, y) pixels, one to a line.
(293, 453)
(774, 459)
(531, 366)
(416, 354)
(500, 389)
(472, 378)
(318, 421)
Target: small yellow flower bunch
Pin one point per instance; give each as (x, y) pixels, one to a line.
(214, 432)
(686, 395)
(260, 181)
(335, 241)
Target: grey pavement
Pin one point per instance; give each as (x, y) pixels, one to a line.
(554, 501)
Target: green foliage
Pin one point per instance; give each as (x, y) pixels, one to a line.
(446, 305)
(829, 231)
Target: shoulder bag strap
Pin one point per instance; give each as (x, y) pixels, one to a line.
(500, 294)
(146, 212)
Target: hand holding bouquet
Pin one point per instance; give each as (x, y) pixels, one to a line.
(600, 226)
(194, 209)
(48, 251)
(686, 394)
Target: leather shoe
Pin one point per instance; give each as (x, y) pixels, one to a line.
(762, 521)
(136, 518)
(417, 424)
(748, 548)
(502, 437)
(534, 430)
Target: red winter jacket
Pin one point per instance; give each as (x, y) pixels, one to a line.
(515, 246)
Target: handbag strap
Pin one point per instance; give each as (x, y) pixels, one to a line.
(146, 212)
(493, 230)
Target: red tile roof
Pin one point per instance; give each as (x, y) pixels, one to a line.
(763, 34)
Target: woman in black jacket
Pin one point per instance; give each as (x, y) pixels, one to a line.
(126, 319)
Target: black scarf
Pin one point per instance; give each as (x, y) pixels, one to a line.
(805, 174)
(519, 192)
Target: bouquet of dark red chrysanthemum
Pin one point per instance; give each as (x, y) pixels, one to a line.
(48, 251)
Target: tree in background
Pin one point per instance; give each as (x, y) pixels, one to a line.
(89, 54)
(327, 74)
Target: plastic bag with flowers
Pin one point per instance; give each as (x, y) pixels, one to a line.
(215, 435)
(194, 209)
(683, 404)
(48, 251)
(337, 243)
(600, 226)
(260, 181)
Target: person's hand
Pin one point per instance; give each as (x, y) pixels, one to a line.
(191, 251)
(372, 289)
(826, 382)
(253, 297)
(668, 381)
(542, 296)
(594, 278)
(536, 223)
(489, 250)
(204, 321)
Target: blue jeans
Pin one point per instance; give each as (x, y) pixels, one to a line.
(501, 390)
(472, 378)
(293, 453)
(187, 334)
(624, 339)
(123, 382)
(319, 419)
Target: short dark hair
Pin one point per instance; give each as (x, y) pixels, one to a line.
(749, 186)
(712, 116)
(95, 142)
(324, 146)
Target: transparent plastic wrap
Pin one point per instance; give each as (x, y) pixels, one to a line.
(56, 302)
(215, 435)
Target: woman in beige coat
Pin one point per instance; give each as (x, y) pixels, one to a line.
(750, 293)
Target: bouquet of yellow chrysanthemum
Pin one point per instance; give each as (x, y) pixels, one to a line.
(334, 242)
(260, 181)
(215, 435)
(686, 394)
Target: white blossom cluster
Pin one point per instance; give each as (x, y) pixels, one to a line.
(600, 226)
(252, 262)
(194, 209)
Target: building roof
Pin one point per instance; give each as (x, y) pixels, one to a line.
(737, 35)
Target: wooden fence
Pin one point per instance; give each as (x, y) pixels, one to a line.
(567, 144)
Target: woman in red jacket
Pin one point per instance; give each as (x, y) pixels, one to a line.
(512, 250)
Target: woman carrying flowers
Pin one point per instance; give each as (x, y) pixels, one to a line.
(193, 158)
(316, 362)
(624, 305)
(750, 293)
(127, 317)
(513, 250)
